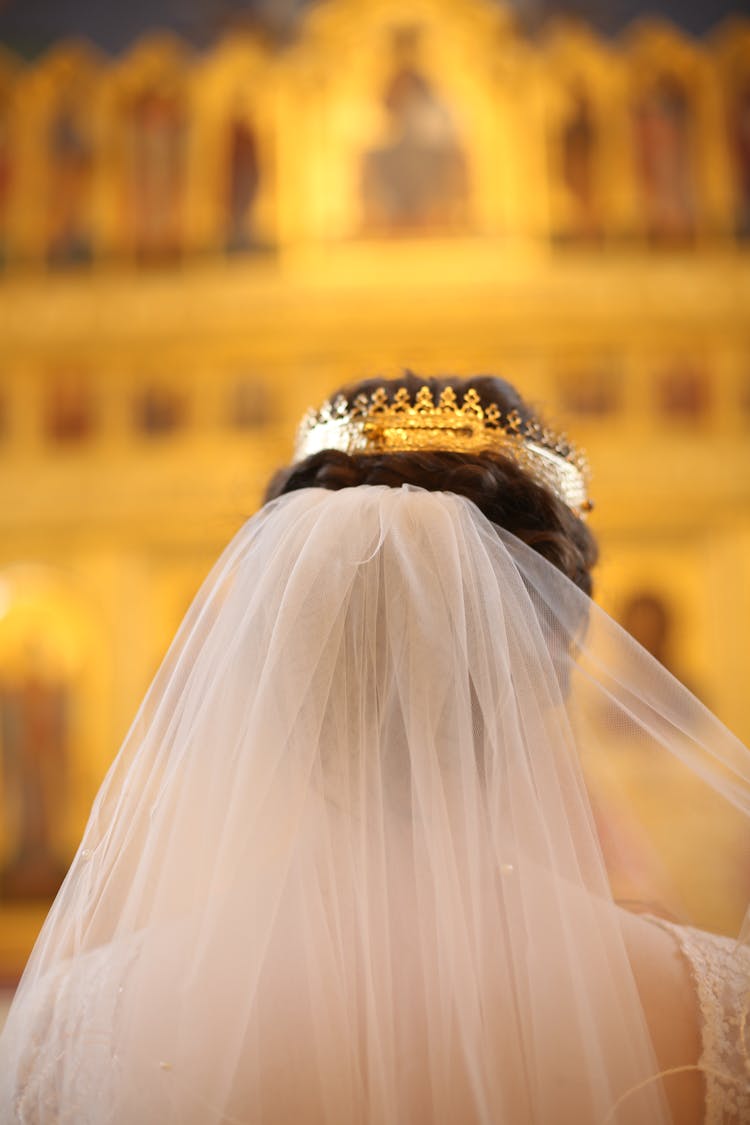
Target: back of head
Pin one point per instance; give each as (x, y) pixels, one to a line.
(502, 490)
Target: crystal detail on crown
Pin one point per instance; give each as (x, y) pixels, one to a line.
(379, 423)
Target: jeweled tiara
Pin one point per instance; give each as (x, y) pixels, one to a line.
(379, 423)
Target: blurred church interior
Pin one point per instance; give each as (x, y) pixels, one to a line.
(198, 243)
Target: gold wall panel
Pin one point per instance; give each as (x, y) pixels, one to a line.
(193, 248)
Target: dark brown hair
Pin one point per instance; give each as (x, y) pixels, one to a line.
(496, 484)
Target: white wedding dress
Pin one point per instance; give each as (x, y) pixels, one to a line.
(720, 974)
(345, 871)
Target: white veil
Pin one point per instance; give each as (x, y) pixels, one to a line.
(345, 868)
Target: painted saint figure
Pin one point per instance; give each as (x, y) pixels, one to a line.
(34, 729)
(740, 143)
(417, 180)
(664, 163)
(6, 175)
(578, 143)
(242, 185)
(71, 165)
(158, 167)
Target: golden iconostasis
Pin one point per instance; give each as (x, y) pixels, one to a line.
(195, 247)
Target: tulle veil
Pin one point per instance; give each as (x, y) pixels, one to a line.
(345, 868)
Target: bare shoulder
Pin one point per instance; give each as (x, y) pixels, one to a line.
(671, 1008)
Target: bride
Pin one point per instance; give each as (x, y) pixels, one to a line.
(345, 868)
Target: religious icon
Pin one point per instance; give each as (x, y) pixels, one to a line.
(71, 163)
(578, 150)
(664, 162)
(590, 392)
(649, 617)
(158, 134)
(646, 616)
(743, 397)
(684, 394)
(416, 179)
(242, 186)
(250, 405)
(69, 409)
(6, 175)
(35, 744)
(740, 146)
(159, 410)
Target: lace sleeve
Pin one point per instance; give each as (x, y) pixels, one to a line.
(720, 969)
(57, 1030)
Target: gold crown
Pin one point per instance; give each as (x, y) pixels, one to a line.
(379, 424)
